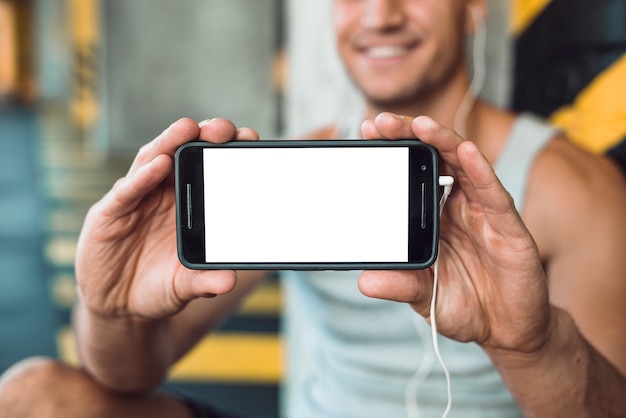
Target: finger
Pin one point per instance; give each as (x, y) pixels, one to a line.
(204, 284)
(496, 201)
(130, 190)
(414, 287)
(445, 140)
(217, 130)
(489, 191)
(177, 134)
(369, 131)
(388, 126)
(247, 134)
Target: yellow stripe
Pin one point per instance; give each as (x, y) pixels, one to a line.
(8, 49)
(264, 301)
(85, 20)
(85, 24)
(597, 118)
(66, 347)
(220, 357)
(524, 13)
(233, 357)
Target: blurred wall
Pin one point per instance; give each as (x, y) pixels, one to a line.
(318, 88)
(53, 49)
(162, 60)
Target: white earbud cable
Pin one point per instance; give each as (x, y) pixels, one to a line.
(410, 395)
(460, 119)
(479, 75)
(433, 318)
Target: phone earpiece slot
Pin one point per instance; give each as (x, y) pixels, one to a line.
(423, 206)
(189, 207)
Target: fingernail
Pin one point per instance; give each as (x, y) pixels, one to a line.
(204, 122)
(399, 117)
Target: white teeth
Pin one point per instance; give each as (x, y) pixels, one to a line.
(386, 51)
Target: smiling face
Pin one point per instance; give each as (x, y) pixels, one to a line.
(399, 51)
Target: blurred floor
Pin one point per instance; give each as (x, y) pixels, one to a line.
(27, 318)
(48, 181)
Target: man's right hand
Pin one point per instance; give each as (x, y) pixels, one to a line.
(126, 261)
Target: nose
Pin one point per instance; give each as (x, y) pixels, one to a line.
(384, 14)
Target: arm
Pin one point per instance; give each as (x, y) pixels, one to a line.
(575, 210)
(139, 309)
(493, 289)
(566, 377)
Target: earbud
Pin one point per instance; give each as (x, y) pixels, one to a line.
(446, 181)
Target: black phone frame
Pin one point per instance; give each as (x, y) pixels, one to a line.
(423, 205)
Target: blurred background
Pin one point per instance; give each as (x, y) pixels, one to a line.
(84, 83)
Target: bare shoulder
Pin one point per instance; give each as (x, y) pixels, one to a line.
(575, 169)
(571, 190)
(576, 210)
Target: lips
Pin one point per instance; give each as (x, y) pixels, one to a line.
(382, 48)
(385, 51)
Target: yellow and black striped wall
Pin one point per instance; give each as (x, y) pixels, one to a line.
(570, 66)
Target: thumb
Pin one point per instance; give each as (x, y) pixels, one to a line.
(409, 286)
(195, 284)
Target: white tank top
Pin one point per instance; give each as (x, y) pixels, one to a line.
(353, 356)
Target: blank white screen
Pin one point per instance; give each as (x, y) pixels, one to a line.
(309, 205)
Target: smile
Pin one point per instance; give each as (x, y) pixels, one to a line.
(386, 51)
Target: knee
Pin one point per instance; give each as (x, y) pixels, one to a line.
(40, 387)
(28, 374)
(37, 387)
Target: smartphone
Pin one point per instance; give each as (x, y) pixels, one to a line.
(307, 205)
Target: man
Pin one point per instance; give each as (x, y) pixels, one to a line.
(140, 310)
(139, 306)
(408, 57)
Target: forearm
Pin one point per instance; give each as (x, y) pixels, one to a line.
(123, 354)
(133, 355)
(566, 377)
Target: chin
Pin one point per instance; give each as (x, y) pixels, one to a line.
(387, 89)
(387, 101)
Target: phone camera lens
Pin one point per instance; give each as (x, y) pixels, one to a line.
(423, 167)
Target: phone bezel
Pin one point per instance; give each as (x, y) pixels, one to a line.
(422, 247)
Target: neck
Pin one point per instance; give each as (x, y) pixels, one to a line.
(441, 104)
(485, 125)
